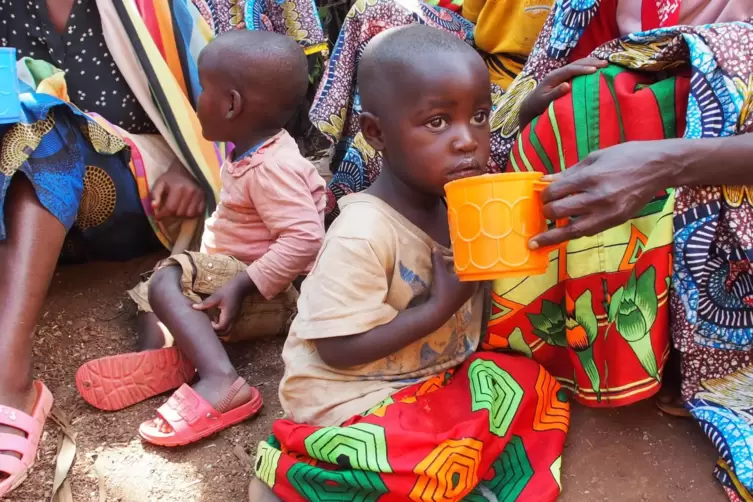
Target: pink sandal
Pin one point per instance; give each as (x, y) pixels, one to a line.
(192, 418)
(116, 382)
(17, 469)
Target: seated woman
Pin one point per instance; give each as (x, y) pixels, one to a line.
(659, 243)
(107, 162)
(504, 33)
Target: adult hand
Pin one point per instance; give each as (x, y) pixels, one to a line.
(555, 85)
(447, 294)
(176, 194)
(229, 301)
(607, 189)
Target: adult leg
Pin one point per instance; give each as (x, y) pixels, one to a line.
(27, 261)
(196, 338)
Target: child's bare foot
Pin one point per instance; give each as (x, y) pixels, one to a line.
(217, 392)
(259, 492)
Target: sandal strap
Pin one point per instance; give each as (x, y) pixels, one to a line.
(19, 420)
(11, 465)
(16, 444)
(223, 405)
(186, 405)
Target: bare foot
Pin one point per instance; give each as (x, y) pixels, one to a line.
(215, 391)
(22, 402)
(259, 492)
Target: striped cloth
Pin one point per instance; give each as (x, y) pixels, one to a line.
(580, 319)
(167, 37)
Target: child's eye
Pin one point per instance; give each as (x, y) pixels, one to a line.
(480, 118)
(436, 124)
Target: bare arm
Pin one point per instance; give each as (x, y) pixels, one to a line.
(377, 343)
(448, 294)
(710, 162)
(612, 185)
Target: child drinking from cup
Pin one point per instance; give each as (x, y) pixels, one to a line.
(384, 392)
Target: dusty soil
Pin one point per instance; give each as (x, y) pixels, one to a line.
(632, 454)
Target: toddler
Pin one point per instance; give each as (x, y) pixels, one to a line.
(266, 231)
(384, 393)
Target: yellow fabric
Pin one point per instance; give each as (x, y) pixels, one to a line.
(507, 31)
(56, 86)
(374, 264)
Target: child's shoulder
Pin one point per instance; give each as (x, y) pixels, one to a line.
(363, 216)
(283, 151)
(363, 231)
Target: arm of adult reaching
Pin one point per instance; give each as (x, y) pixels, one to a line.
(612, 185)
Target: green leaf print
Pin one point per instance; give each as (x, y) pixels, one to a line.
(633, 311)
(549, 325)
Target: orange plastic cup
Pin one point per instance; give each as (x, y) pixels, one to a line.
(492, 218)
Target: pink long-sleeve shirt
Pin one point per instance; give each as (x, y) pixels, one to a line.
(270, 214)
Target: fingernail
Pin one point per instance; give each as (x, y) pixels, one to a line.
(533, 245)
(548, 177)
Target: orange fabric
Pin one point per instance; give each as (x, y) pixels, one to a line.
(167, 44)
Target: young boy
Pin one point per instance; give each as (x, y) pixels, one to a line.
(266, 231)
(380, 390)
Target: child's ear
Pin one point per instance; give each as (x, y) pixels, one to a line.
(372, 130)
(236, 106)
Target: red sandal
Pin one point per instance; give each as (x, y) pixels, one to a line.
(116, 382)
(192, 418)
(32, 425)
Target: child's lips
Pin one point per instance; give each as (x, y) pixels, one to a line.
(465, 169)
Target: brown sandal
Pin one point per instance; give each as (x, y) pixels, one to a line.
(672, 406)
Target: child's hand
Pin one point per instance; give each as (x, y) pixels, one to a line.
(555, 85)
(448, 294)
(229, 300)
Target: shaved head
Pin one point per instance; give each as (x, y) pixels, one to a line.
(395, 56)
(265, 68)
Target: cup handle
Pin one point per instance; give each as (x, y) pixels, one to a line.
(538, 186)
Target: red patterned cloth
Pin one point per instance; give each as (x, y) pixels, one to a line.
(599, 318)
(493, 429)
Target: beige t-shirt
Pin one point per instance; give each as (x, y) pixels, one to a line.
(373, 263)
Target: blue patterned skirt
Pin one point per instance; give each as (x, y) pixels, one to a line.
(81, 175)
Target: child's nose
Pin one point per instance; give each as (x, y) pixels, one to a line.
(465, 141)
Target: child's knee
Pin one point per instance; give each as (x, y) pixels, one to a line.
(164, 281)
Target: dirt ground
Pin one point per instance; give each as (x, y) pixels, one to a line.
(631, 454)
